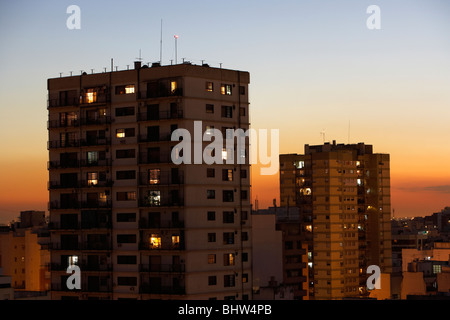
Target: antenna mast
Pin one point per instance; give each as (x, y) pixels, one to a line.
(160, 45)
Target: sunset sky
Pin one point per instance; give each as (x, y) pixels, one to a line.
(314, 66)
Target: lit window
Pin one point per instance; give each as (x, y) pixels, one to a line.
(154, 198)
(102, 197)
(92, 157)
(211, 258)
(225, 89)
(90, 96)
(72, 260)
(299, 164)
(305, 191)
(437, 268)
(175, 240)
(209, 130)
(173, 86)
(120, 133)
(155, 241)
(129, 89)
(209, 86)
(309, 228)
(228, 259)
(92, 178)
(154, 176)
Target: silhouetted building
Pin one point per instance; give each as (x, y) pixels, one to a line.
(138, 225)
(343, 193)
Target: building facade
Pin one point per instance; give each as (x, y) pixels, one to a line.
(138, 225)
(343, 192)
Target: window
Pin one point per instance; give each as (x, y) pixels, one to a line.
(126, 196)
(155, 241)
(210, 194)
(153, 198)
(90, 96)
(211, 215)
(211, 237)
(244, 195)
(125, 153)
(175, 240)
(244, 215)
(211, 258)
(228, 281)
(209, 130)
(154, 176)
(227, 112)
(228, 217)
(243, 174)
(242, 112)
(228, 259)
(92, 178)
(244, 278)
(92, 157)
(125, 89)
(288, 245)
(210, 172)
(212, 280)
(244, 257)
(126, 238)
(126, 175)
(228, 238)
(209, 108)
(228, 196)
(437, 268)
(227, 174)
(241, 90)
(126, 217)
(127, 281)
(225, 89)
(244, 236)
(124, 111)
(209, 86)
(125, 133)
(126, 260)
(173, 87)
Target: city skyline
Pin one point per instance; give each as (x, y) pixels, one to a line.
(317, 65)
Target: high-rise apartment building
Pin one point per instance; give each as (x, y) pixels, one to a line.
(138, 225)
(343, 192)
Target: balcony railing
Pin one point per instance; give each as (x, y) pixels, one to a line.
(63, 144)
(165, 178)
(145, 224)
(161, 115)
(75, 101)
(152, 289)
(79, 204)
(161, 92)
(162, 246)
(97, 99)
(170, 268)
(63, 164)
(96, 141)
(79, 184)
(96, 204)
(62, 124)
(147, 158)
(164, 202)
(150, 138)
(63, 226)
(85, 287)
(96, 121)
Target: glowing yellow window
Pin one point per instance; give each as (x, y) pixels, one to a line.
(91, 96)
(92, 178)
(173, 86)
(129, 89)
(155, 241)
(154, 176)
(120, 133)
(175, 240)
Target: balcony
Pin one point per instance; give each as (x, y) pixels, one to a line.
(95, 141)
(95, 246)
(62, 124)
(98, 163)
(164, 202)
(64, 205)
(63, 226)
(145, 224)
(161, 90)
(79, 184)
(95, 98)
(63, 164)
(163, 246)
(149, 158)
(160, 138)
(169, 268)
(95, 121)
(55, 144)
(96, 224)
(70, 246)
(74, 101)
(152, 289)
(164, 179)
(162, 115)
(94, 204)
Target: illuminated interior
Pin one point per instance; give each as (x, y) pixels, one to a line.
(155, 241)
(129, 89)
(154, 176)
(173, 86)
(90, 96)
(92, 178)
(120, 133)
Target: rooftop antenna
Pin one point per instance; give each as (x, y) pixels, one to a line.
(176, 50)
(140, 58)
(322, 133)
(160, 45)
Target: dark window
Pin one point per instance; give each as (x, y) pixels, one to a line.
(125, 175)
(124, 111)
(244, 195)
(242, 112)
(227, 112)
(210, 194)
(212, 280)
(210, 173)
(126, 196)
(126, 217)
(228, 217)
(211, 215)
(244, 174)
(209, 108)
(209, 86)
(288, 245)
(227, 174)
(241, 89)
(126, 260)
(126, 238)
(244, 236)
(126, 281)
(228, 281)
(211, 237)
(125, 153)
(244, 257)
(228, 238)
(228, 196)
